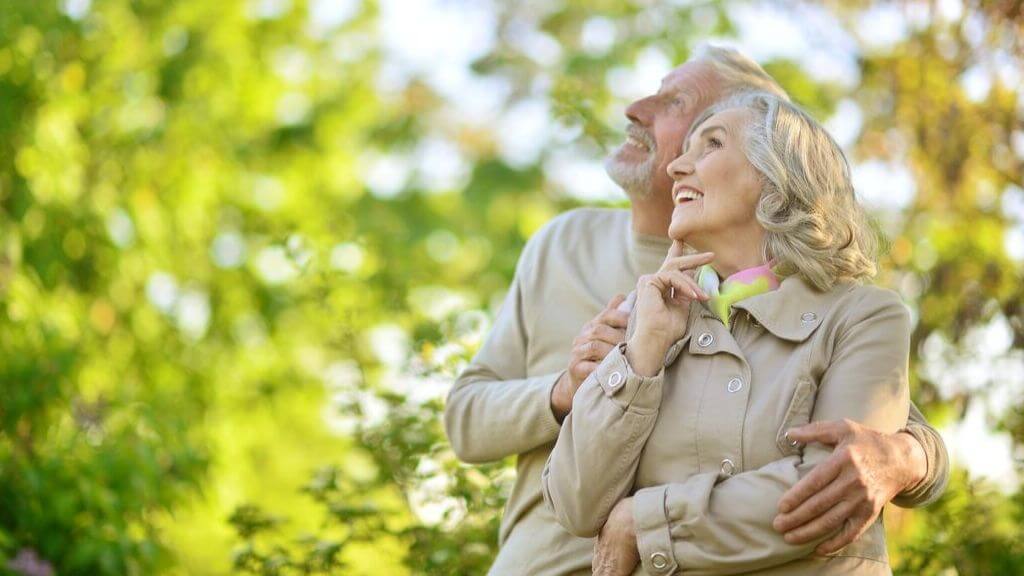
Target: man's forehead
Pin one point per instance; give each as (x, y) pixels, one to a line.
(684, 76)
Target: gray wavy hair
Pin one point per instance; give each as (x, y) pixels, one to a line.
(736, 72)
(815, 225)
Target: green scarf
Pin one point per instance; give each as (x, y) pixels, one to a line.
(737, 287)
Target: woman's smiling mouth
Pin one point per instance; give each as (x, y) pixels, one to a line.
(684, 194)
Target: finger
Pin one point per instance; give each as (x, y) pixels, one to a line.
(821, 476)
(613, 318)
(829, 432)
(615, 301)
(678, 249)
(852, 529)
(593, 350)
(811, 508)
(582, 370)
(683, 285)
(605, 333)
(823, 525)
(688, 262)
(692, 282)
(670, 288)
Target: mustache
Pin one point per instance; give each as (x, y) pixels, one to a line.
(640, 134)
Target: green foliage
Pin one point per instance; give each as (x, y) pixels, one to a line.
(204, 304)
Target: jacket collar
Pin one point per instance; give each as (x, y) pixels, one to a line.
(795, 310)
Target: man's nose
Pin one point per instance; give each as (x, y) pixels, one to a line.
(639, 112)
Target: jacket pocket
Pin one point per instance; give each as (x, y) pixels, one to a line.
(798, 414)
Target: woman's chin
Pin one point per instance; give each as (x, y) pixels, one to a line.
(681, 227)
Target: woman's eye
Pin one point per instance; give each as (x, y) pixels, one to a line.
(714, 142)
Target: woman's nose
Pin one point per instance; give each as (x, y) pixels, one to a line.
(680, 167)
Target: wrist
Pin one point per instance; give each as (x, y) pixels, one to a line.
(916, 460)
(561, 402)
(646, 354)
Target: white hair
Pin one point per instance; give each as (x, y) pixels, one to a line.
(736, 72)
(814, 224)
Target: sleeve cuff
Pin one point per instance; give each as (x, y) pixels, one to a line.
(931, 486)
(545, 386)
(625, 387)
(653, 539)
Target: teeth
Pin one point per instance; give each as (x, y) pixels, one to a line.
(687, 195)
(635, 142)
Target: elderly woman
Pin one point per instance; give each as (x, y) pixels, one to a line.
(676, 447)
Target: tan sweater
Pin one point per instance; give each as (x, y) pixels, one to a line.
(500, 405)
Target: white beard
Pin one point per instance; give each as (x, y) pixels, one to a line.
(634, 178)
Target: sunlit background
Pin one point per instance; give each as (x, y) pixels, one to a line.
(246, 245)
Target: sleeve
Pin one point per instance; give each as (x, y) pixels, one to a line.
(494, 410)
(594, 460)
(710, 524)
(931, 487)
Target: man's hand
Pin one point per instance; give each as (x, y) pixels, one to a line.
(615, 552)
(847, 491)
(594, 342)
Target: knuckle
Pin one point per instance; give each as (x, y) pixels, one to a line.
(820, 506)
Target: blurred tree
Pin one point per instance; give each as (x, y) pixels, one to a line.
(244, 249)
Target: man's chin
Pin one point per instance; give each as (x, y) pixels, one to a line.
(633, 177)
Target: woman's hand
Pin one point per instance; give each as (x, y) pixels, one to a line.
(615, 551)
(662, 308)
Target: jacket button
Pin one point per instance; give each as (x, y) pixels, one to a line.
(659, 560)
(735, 385)
(615, 379)
(728, 467)
(705, 340)
(808, 317)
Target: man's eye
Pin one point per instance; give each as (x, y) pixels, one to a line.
(714, 142)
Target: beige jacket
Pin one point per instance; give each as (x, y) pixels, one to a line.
(500, 405)
(702, 446)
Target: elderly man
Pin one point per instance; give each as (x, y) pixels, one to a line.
(563, 313)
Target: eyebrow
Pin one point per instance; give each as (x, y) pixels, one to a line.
(712, 128)
(703, 132)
